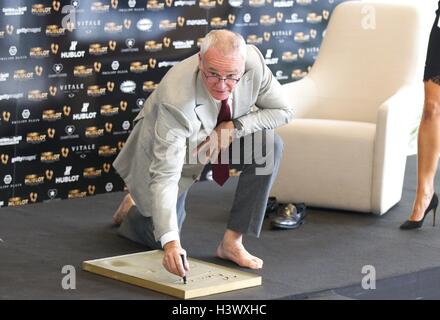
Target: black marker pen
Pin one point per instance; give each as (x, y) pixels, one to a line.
(183, 261)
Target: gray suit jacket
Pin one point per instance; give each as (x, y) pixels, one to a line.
(181, 113)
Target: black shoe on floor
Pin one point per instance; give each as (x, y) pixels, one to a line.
(289, 216)
(271, 207)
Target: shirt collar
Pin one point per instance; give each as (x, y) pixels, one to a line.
(219, 102)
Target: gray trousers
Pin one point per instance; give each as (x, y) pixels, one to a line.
(250, 200)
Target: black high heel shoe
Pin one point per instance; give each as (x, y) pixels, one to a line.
(408, 224)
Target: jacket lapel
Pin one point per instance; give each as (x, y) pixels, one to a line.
(206, 108)
(242, 95)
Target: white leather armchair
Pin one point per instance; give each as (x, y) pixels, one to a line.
(347, 145)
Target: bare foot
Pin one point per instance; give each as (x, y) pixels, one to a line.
(123, 209)
(237, 253)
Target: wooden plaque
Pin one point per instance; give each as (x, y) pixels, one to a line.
(145, 269)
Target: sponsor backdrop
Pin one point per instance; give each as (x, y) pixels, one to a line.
(74, 74)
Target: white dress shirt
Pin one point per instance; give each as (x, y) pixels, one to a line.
(219, 104)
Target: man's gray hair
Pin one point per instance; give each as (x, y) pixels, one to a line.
(224, 40)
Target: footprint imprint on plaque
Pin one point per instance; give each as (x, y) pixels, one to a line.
(122, 264)
(119, 264)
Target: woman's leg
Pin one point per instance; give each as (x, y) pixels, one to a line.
(428, 149)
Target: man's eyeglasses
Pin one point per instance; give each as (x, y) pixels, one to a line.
(213, 78)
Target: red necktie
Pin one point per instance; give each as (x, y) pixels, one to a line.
(220, 172)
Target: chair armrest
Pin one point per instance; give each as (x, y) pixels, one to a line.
(391, 146)
(302, 95)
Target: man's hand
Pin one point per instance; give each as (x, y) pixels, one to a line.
(220, 139)
(172, 260)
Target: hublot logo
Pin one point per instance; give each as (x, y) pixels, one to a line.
(72, 53)
(67, 179)
(84, 116)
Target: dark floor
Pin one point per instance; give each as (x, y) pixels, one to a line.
(321, 260)
(421, 285)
